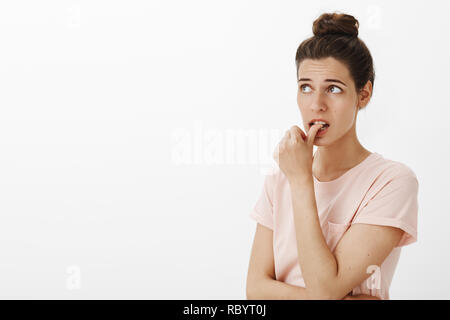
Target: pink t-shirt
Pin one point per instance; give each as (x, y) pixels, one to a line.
(376, 191)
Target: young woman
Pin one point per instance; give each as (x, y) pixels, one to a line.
(331, 224)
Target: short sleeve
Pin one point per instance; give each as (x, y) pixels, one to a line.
(394, 204)
(262, 212)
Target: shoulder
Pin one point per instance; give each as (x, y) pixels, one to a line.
(394, 174)
(392, 169)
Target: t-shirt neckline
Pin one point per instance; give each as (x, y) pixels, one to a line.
(346, 173)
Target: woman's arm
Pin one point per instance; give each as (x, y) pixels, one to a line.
(331, 275)
(261, 283)
(270, 289)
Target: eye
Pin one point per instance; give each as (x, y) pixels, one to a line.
(329, 88)
(335, 87)
(304, 86)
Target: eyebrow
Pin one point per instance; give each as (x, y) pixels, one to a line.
(326, 80)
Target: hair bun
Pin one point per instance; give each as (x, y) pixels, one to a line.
(336, 23)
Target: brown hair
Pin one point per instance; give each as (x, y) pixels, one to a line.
(336, 36)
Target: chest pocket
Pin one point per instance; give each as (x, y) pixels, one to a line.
(334, 233)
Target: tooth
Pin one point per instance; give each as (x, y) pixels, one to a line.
(320, 122)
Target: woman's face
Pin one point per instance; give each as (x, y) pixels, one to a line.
(327, 91)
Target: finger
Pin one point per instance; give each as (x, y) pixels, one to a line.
(276, 152)
(296, 132)
(276, 155)
(312, 133)
(287, 135)
(277, 149)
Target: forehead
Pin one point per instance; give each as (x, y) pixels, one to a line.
(322, 69)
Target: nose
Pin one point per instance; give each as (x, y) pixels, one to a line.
(318, 103)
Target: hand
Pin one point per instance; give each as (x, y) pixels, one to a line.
(294, 153)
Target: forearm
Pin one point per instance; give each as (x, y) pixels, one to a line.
(270, 289)
(318, 264)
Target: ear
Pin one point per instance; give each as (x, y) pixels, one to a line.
(364, 95)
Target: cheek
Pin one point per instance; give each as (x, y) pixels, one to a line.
(303, 110)
(346, 116)
(299, 98)
(303, 101)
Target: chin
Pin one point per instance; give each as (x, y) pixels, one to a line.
(322, 141)
(319, 142)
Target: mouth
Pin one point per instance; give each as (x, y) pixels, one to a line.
(324, 124)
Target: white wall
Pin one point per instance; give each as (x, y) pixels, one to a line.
(99, 98)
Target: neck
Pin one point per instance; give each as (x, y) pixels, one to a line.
(339, 157)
